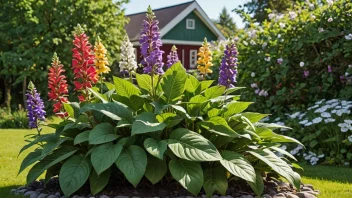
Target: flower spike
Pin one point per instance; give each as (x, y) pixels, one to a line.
(204, 60)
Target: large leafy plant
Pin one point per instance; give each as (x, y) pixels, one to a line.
(170, 123)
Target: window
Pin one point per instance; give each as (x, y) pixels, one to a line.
(135, 54)
(192, 59)
(190, 24)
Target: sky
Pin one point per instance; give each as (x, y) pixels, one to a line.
(211, 7)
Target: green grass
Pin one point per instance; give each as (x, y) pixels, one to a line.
(333, 182)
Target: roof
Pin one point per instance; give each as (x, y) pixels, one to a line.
(168, 17)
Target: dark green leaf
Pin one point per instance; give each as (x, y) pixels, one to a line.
(82, 137)
(215, 181)
(155, 148)
(102, 133)
(98, 182)
(103, 156)
(156, 169)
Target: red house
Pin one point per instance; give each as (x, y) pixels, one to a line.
(184, 25)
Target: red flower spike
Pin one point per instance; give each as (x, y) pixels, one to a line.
(57, 86)
(83, 64)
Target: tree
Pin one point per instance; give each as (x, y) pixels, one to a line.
(225, 23)
(32, 30)
(258, 7)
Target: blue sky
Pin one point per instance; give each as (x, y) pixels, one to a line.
(211, 7)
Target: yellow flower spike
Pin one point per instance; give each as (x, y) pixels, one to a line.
(101, 62)
(204, 60)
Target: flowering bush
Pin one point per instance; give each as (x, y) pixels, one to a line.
(168, 122)
(326, 131)
(299, 57)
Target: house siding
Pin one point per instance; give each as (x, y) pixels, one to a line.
(179, 32)
(167, 48)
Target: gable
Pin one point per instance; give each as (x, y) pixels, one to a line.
(180, 32)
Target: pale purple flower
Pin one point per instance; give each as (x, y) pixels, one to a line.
(267, 59)
(257, 91)
(320, 30)
(329, 69)
(305, 73)
(172, 58)
(150, 45)
(292, 15)
(279, 61)
(254, 85)
(330, 19)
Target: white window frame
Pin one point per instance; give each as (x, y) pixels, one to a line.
(135, 53)
(190, 27)
(193, 66)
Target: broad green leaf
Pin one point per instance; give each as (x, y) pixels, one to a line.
(49, 161)
(205, 84)
(134, 102)
(192, 84)
(270, 126)
(235, 107)
(192, 146)
(145, 81)
(82, 137)
(132, 162)
(269, 135)
(103, 156)
(215, 181)
(156, 169)
(98, 182)
(30, 159)
(127, 141)
(213, 112)
(214, 91)
(52, 145)
(258, 185)
(155, 148)
(282, 151)
(102, 133)
(237, 165)
(42, 138)
(173, 84)
(188, 174)
(219, 126)
(113, 110)
(278, 165)
(110, 86)
(181, 110)
(146, 122)
(98, 95)
(69, 110)
(254, 117)
(125, 88)
(73, 174)
(233, 89)
(170, 119)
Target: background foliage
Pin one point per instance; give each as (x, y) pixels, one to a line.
(31, 30)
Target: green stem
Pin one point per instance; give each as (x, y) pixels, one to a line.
(101, 83)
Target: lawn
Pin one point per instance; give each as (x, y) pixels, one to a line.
(331, 181)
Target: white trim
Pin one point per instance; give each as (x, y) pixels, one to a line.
(190, 27)
(183, 56)
(184, 13)
(174, 42)
(191, 58)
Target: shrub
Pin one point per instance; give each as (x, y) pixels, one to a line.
(298, 57)
(15, 120)
(326, 131)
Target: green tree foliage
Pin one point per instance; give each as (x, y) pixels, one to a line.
(226, 24)
(257, 8)
(31, 30)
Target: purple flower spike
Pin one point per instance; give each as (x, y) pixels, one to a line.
(35, 107)
(172, 58)
(150, 45)
(228, 68)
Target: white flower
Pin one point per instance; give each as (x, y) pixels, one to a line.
(252, 33)
(301, 64)
(258, 52)
(277, 119)
(253, 74)
(264, 45)
(254, 85)
(282, 25)
(308, 124)
(320, 30)
(348, 121)
(252, 42)
(328, 120)
(346, 163)
(332, 101)
(303, 122)
(245, 43)
(279, 60)
(330, 2)
(279, 16)
(292, 15)
(128, 59)
(313, 107)
(267, 59)
(346, 74)
(317, 120)
(293, 116)
(349, 66)
(330, 19)
(325, 115)
(321, 156)
(313, 16)
(279, 36)
(349, 138)
(348, 37)
(271, 15)
(311, 6)
(263, 93)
